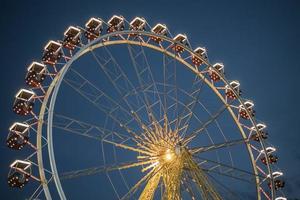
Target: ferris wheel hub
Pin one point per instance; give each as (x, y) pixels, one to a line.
(169, 155)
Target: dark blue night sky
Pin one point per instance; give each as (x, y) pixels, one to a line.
(258, 42)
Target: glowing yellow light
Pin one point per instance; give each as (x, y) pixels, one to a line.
(169, 155)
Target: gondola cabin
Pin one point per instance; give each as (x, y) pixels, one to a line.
(19, 174)
(71, 38)
(17, 136)
(137, 24)
(36, 73)
(24, 101)
(198, 56)
(268, 153)
(93, 28)
(261, 132)
(159, 29)
(248, 107)
(179, 39)
(116, 23)
(272, 159)
(232, 90)
(278, 183)
(215, 71)
(52, 53)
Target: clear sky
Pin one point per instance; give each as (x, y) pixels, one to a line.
(258, 41)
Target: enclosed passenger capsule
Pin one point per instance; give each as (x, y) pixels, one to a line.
(24, 102)
(213, 72)
(278, 183)
(272, 158)
(52, 53)
(270, 154)
(116, 23)
(72, 37)
(19, 174)
(261, 132)
(159, 29)
(232, 89)
(93, 28)
(248, 107)
(198, 56)
(36, 73)
(182, 39)
(18, 136)
(138, 24)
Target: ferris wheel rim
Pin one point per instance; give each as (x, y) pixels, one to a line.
(88, 47)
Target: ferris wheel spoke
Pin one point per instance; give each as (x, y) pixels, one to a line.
(226, 170)
(213, 147)
(175, 102)
(83, 128)
(230, 175)
(119, 82)
(187, 185)
(36, 193)
(150, 188)
(206, 188)
(153, 82)
(141, 73)
(139, 184)
(227, 191)
(100, 169)
(127, 147)
(93, 93)
(119, 79)
(180, 103)
(190, 182)
(146, 103)
(204, 125)
(170, 86)
(187, 111)
(102, 101)
(144, 75)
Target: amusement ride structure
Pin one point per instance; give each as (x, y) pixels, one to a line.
(170, 125)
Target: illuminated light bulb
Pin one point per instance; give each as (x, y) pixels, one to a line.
(168, 155)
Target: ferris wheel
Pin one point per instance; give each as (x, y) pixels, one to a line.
(132, 112)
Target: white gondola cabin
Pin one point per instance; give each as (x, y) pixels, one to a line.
(116, 23)
(71, 38)
(270, 154)
(278, 182)
(24, 101)
(198, 56)
(36, 73)
(232, 90)
(138, 24)
(19, 174)
(261, 132)
(52, 52)
(93, 28)
(243, 110)
(215, 71)
(18, 136)
(159, 29)
(181, 39)
(272, 159)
